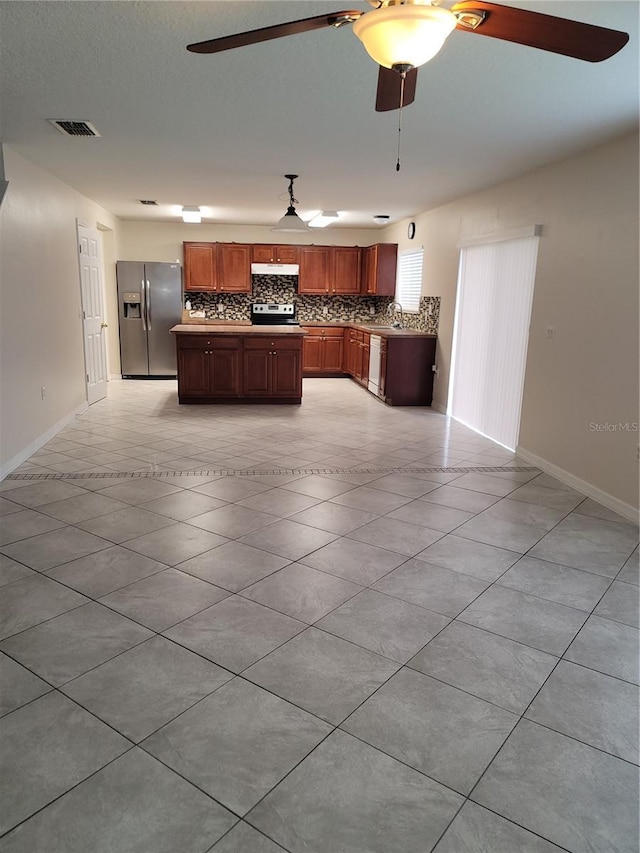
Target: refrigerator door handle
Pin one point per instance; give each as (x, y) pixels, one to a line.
(148, 305)
(143, 313)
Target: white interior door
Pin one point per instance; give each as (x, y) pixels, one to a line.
(91, 284)
(491, 334)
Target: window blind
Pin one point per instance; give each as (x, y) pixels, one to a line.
(409, 286)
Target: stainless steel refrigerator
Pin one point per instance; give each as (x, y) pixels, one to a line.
(149, 304)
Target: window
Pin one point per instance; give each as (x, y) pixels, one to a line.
(409, 285)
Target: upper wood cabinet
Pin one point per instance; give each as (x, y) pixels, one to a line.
(379, 264)
(330, 270)
(234, 268)
(262, 253)
(200, 266)
(217, 267)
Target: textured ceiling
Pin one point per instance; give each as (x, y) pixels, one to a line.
(220, 131)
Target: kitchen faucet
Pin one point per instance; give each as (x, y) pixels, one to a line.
(395, 306)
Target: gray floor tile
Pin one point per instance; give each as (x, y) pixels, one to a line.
(74, 642)
(554, 582)
(164, 599)
(527, 619)
(630, 572)
(139, 490)
(395, 535)
(231, 488)
(591, 707)
(11, 571)
(441, 731)
(244, 839)
(322, 674)
(430, 586)
(46, 748)
(491, 667)
(9, 507)
(509, 533)
(608, 647)
(590, 544)
(333, 517)
(301, 592)
(27, 602)
(280, 502)
(232, 520)
(463, 499)
(384, 625)
(354, 561)
(42, 492)
(317, 486)
(433, 516)
(347, 796)
(486, 484)
(476, 830)
(183, 505)
(371, 500)
(469, 557)
(233, 566)
(81, 507)
(402, 484)
(106, 571)
(559, 498)
(288, 539)
(591, 508)
(257, 738)
(24, 524)
(126, 524)
(55, 547)
(176, 543)
(235, 632)
(135, 805)
(620, 603)
(17, 685)
(144, 688)
(575, 796)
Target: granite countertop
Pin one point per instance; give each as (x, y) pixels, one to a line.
(230, 329)
(384, 331)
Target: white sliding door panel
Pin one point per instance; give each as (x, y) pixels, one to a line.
(493, 310)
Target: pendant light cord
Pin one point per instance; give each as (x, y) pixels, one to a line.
(402, 79)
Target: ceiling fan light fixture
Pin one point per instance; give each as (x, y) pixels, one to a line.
(404, 34)
(191, 213)
(324, 218)
(291, 221)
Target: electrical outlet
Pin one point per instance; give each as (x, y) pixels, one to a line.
(325, 310)
(550, 332)
(372, 310)
(220, 307)
(43, 392)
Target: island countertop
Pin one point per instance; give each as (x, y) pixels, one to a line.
(231, 329)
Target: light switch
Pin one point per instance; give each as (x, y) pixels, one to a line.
(550, 332)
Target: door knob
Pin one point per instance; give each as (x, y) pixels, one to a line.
(103, 325)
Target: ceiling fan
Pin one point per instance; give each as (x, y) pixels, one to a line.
(400, 35)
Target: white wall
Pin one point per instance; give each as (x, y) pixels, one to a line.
(41, 341)
(586, 287)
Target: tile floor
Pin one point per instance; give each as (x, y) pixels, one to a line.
(360, 647)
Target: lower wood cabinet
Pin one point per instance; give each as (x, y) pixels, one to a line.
(323, 351)
(358, 355)
(220, 368)
(406, 374)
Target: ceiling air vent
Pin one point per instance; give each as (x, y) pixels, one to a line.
(150, 201)
(73, 128)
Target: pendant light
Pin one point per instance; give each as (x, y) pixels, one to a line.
(291, 221)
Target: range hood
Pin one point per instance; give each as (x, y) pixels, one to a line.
(274, 269)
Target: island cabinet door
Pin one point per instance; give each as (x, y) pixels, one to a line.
(286, 373)
(193, 371)
(224, 372)
(257, 369)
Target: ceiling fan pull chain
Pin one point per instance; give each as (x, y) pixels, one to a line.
(402, 79)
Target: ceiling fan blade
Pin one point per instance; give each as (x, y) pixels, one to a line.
(277, 31)
(558, 35)
(388, 93)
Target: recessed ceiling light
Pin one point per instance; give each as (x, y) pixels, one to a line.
(324, 218)
(191, 213)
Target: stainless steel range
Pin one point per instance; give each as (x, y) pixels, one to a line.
(273, 314)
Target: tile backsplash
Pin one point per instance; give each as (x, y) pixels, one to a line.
(275, 288)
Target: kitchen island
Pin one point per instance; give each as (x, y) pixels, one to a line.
(220, 363)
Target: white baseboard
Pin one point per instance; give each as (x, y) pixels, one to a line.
(28, 451)
(114, 376)
(591, 491)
